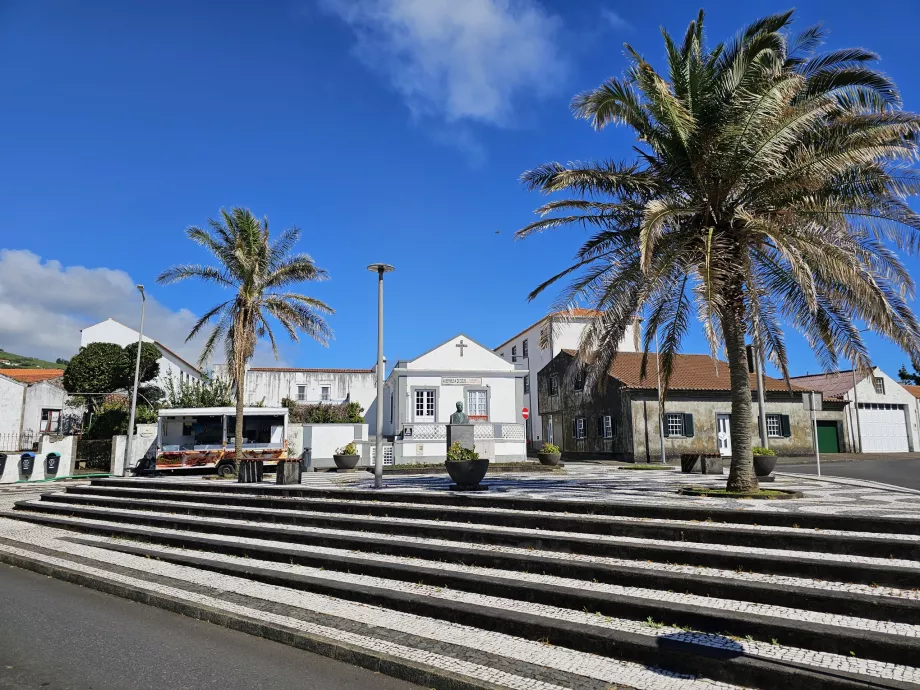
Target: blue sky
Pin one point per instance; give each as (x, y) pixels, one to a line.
(388, 130)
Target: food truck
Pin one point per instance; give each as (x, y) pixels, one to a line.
(204, 437)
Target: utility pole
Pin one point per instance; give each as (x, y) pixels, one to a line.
(758, 364)
(129, 447)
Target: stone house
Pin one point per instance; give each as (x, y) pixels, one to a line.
(620, 419)
(33, 402)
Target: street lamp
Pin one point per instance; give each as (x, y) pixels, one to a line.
(137, 372)
(379, 269)
(856, 400)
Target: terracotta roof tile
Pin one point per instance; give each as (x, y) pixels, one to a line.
(913, 390)
(32, 375)
(833, 384)
(691, 373)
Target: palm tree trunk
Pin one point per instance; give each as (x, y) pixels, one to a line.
(238, 434)
(741, 476)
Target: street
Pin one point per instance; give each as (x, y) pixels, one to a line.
(904, 473)
(60, 636)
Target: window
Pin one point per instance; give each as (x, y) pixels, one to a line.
(324, 393)
(514, 353)
(578, 427)
(51, 421)
(391, 408)
(605, 426)
(554, 384)
(524, 349)
(424, 405)
(579, 381)
(879, 384)
(527, 384)
(774, 430)
(301, 393)
(477, 406)
(674, 424)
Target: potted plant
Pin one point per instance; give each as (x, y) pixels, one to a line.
(764, 461)
(465, 466)
(550, 455)
(346, 458)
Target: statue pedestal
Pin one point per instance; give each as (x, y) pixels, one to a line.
(460, 433)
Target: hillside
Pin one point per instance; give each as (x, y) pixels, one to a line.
(8, 360)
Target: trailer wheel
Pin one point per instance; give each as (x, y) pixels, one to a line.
(225, 469)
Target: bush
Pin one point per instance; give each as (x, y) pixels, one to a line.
(549, 449)
(457, 453)
(346, 413)
(209, 392)
(757, 450)
(350, 449)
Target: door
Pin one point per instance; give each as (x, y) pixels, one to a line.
(883, 428)
(827, 437)
(424, 405)
(724, 434)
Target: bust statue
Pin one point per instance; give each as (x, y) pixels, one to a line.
(459, 417)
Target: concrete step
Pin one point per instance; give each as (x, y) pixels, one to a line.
(748, 516)
(352, 597)
(337, 530)
(796, 539)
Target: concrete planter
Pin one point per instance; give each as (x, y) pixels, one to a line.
(468, 473)
(550, 458)
(346, 462)
(250, 471)
(701, 463)
(764, 465)
(288, 472)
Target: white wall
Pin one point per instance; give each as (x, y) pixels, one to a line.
(271, 386)
(894, 394)
(110, 331)
(39, 396)
(10, 407)
(324, 439)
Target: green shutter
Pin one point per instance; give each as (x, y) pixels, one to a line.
(688, 425)
(784, 425)
(664, 425)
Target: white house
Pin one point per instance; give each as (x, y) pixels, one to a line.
(32, 402)
(881, 408)
(421, 394)
(171, 365)
(538, 344)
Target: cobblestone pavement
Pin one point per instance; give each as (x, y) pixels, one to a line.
(487, 656)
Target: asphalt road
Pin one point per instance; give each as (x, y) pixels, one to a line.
(904, 473)
(58, 636)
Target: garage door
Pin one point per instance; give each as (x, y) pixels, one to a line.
(883, 428)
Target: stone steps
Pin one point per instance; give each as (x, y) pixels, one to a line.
(734, 604)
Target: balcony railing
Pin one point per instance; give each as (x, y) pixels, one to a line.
(482, 431)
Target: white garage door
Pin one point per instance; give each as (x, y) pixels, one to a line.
(883, 428)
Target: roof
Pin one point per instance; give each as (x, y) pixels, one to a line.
(833, 384)
(578, 313)
(32, 375)
(913, 390)
(218, 411)
(314, 371)
(155, 342)
(690, 373)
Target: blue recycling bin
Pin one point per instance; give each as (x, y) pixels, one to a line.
(27, 463)
(52, 462)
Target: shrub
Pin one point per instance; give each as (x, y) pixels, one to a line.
(346, 413)
(457, 453)
(550, 449)
(350, 449)
(757, 450)
(209, 392)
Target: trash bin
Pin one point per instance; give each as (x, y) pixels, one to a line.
(27, 463)
(2, 463)
(52, 462)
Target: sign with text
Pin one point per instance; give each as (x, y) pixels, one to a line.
(460, 381)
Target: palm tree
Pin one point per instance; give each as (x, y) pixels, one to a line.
(767, 187)
(260, 272)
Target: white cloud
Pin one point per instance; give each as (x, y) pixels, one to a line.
(458, 61)
(44, 304)
(615, 20)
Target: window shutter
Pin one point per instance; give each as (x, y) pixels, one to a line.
(600, 427)
(574, 428)
(688, 425)
(667, 431)
(784, 425)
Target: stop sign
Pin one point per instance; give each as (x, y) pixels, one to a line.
(525, 413)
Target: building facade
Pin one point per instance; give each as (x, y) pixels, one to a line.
(421, 394)
(33, 402)
(621, 420)
(537, 345)
(172, 366)
(882, 410)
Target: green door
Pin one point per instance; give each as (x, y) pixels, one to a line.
(827, 437)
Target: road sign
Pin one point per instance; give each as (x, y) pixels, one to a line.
(525, 413)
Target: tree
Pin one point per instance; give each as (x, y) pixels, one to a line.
(208, 392)
(908, 377)
(768, 187)
(259, 272)
(102, 368)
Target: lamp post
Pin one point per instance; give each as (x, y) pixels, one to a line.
(856, 401)
(664, 458)
(379, 269)
(137, 372)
